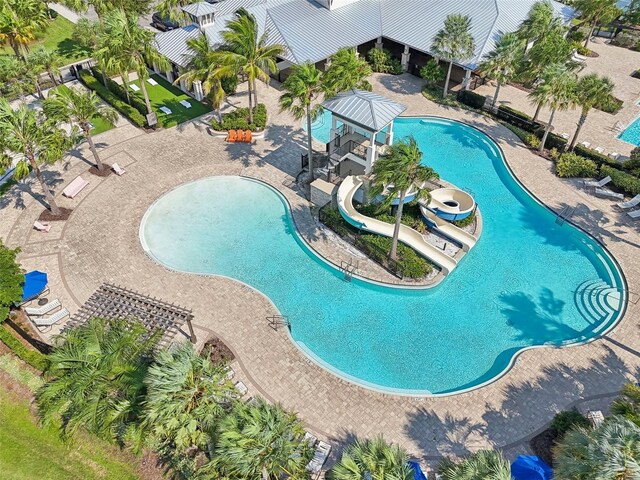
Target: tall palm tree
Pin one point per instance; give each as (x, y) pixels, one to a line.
(20, 20)
(34, 141)
(49, 61)
(594, 12)
(79, 108)
(247, 52)
(454, 42)
(557, 91)
(628, 405)
(346, 71)
(185, 397)
(204, 68)
(372, 459)
(501, 64)
(32, 72)
(611, 451)
(482, 465)
(261, 441)
(88, 33)
(14, 77)
(590, 91)
(103, 7)
(95, 380)
(540, 21)
(302, 89)
(395, 174)
(126, 46)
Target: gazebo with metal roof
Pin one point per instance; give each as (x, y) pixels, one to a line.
(361, 126)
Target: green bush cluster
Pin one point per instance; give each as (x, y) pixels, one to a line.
(517, 118)
(229, 84)
(564, 421)
(610, 104)
(572, 165)
(239, 119)
(409, 264)
(623, 181)
(599, 158)
(432, 72)
(125, 109)
(34, 358)
(553, 140)
(472, 99)
(11, 280)
(381, 61)
(434, 93)
(465, 221)
(136, 101)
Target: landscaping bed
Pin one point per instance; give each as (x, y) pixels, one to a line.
(238, 119)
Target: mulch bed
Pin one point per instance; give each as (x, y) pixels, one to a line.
(542, 445)
(106, 171)
(47, 216)
(217, 351)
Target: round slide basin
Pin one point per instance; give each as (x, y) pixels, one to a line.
(409, 197)
(451, 203)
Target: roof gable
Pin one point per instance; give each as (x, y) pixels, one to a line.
(369, 110)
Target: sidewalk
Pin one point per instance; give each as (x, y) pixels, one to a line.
(71, 15)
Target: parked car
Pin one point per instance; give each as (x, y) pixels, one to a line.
(163, 23)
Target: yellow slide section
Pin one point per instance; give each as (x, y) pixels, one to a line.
(450, 230)
(407, 235)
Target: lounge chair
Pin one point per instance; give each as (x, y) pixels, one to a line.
(598, 184)
(152, 81)
(185, 103)
(319, 458)
(43, 310)
(242, 388)
(565, 135)
(41, 227)
(248, 136)
(595, 417)
(118, 169)
(585, 144)
(635, 214)
(630, 204)
(310, 439)
(614, 155)
(134, 87)
(232, 136)
(166, 110)
(600, 150)
(241, 135)
(51, 319)
(604, 192)
(75, 187)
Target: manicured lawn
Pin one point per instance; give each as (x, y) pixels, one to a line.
(57, 37)
(166, 95)
(99, 125)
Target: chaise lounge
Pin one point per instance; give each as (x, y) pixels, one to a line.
(598, 184)
(606, 193)
(44, 309)
(41, 227)
(634, 215)
(630, 204)
(75, 187)
(51, 319)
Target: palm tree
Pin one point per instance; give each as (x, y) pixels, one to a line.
(103, 7)
(185, 397)
(482, 465)
(302, 90)
(628, 405)
(20, 20)
(596, 11)
(590, 91)
(397, 172)
(346, 71)
(372, 459)
(32, 72)
(203, 68)
(34, 141)
(540, 21)
(611, 451)
(261, 441)
(79, 107)
(557, 91)
(247, 52)
(14, 76)
(95, 379)
(48, 61)
(125, 46)
(502, 62)
(454, 42)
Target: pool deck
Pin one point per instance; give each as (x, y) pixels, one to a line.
(99, 243)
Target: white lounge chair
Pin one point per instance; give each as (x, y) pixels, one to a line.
(242, 388)
(310, 439)
(151, 81)
(166, 110)
(565, 135)
(585, 144)
(577, 56)
(319, 458)
(598, 184)
(134, 87)
(630, 204)
(41, 227)
(595, 417)
(604, 192)
(185, 103)
(44, 309)
(600, 150)
(51, 319)
(75, 187)
(614, 155)
(635, 214)
(118, 169)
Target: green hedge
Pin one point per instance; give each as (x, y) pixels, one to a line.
(517, 118)
(567, 420)
(571, 165)
(239, 119)
(121, 93)
(125, 109)
(623, 181)
(34, 358)
(599, 158)
(553, 140)
(472, 99)
(409, 263)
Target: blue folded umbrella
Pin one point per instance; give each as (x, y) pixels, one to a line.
(34, 284)
(527, 467)
(417, 471)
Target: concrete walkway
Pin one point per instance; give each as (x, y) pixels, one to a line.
(100, 243)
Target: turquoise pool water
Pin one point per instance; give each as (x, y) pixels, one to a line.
(631, 134)
(527, 282)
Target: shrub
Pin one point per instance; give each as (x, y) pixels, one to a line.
(517, 118)
(531, 140)
(229, 84)
(434, 94)
(522, 134)
(432, 72)
(239, 119)
(472, 99)
(465, 221)
(634, 160)
(572, 165)
(409, 264)
(626, 39)
(381, 61)
(34, 358)
(11, 280)
(127, 110)
(565, 421)
(553, 140)
(577, 36)
(599, 158)
(610, 104)
(118, 90)
(621, 180)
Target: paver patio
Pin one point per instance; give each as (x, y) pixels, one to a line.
(100, 243)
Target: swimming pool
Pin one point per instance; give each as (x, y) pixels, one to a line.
(528, 281)
(631, 134)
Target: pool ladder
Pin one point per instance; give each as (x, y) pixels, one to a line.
(565, 214)
(348, 269)
(276, 321)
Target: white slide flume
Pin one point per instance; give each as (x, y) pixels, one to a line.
(450, 230)
(408, 235)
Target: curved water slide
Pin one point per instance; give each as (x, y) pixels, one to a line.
(448, 229)
(408, 235)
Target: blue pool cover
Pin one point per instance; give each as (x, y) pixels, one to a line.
(417, 471)
(527, 467)
(34, 284)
